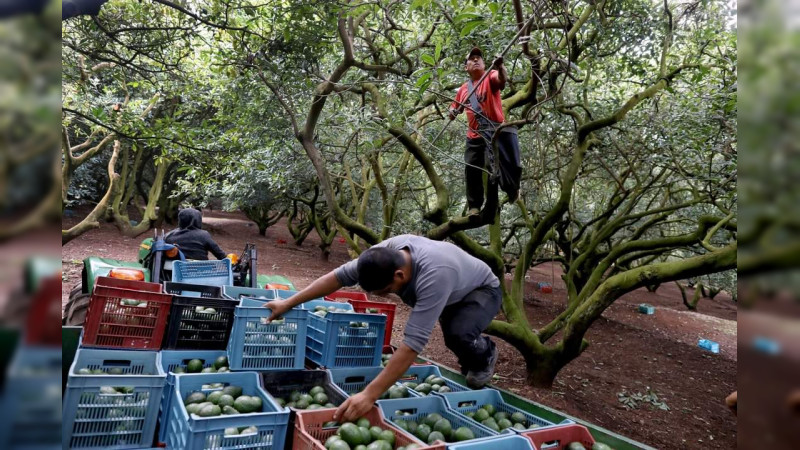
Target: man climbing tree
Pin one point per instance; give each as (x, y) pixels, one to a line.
(485, 115)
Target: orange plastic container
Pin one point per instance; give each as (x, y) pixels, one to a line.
(387, 309)
(310, 434)
(559, 437)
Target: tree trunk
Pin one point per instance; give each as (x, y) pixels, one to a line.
(653, 287)
(691, 304)
(92, 220)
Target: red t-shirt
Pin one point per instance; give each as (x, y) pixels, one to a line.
(488, 94)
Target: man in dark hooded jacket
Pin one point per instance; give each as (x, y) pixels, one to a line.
(191, 239)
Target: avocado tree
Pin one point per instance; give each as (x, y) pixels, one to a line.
(628, 130)
(626, 111)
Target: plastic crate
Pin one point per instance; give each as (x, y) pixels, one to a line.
(311, 304)
(266, 295)
(190, 329)
(332, 341)
(470, 401)
(32, 400)
(129, 284)
(257, 345)
(418, 407)
(346, 296)
(112, 324)
(93, 419)
(309, 432)
(503, 442)
(559, 437)
(384, 308)
(354, 380)
(213, 273)
(417, 374)
(185, 432)
(283, 383)
(174, 358)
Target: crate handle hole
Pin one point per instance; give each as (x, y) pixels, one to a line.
(116, 362)
(355, 379)
(467, 403)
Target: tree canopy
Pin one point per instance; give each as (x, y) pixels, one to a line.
(328, 111)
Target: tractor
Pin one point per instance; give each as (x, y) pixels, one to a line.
(154, 264)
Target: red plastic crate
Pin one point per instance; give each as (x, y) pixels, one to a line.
(129, 284)
(309, 433)
(44, 313)
(346, 296)
(111, 324)
(559, 437)
(360, 306)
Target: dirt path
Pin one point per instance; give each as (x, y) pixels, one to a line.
(629, 352)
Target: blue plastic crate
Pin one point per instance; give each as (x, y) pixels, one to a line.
(191, 433)
(266, 295)
(93, 417)
(212, 273)
(470, 401)
(258, 345)
(416, 408)
(418, 374)
(170, 359)
(32, 400)
(353, 380)
(503, 442)
(332, 341)
(312, 304)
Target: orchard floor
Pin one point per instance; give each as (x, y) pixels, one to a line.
(629, 352)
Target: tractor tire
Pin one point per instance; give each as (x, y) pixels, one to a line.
(76, 307)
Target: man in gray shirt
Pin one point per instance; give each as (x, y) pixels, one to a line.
(439, 281)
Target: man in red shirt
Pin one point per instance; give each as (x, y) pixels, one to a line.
(485, 114)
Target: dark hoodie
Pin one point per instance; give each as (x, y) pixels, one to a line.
(193, 241)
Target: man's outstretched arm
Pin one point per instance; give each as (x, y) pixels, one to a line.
(358, 405)
(321, 287)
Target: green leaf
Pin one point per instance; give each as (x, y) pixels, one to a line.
(466, 17)
(494, 7)
(417, 4)
(470, 26)
(428, 59)
(424, 79)
(437, 54)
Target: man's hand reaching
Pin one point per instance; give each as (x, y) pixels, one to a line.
(278, 307)
(498, 62)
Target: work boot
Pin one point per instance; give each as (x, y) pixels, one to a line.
(479, 379)
(513, 197)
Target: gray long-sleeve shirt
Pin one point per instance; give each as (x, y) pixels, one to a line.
(442, 274)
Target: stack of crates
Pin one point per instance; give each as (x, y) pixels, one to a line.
(171, 360)
(112, 399)
(256, 344)
(126, 314)
(200, 318)
(31, 398)
(185, 431)
(343, 339)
